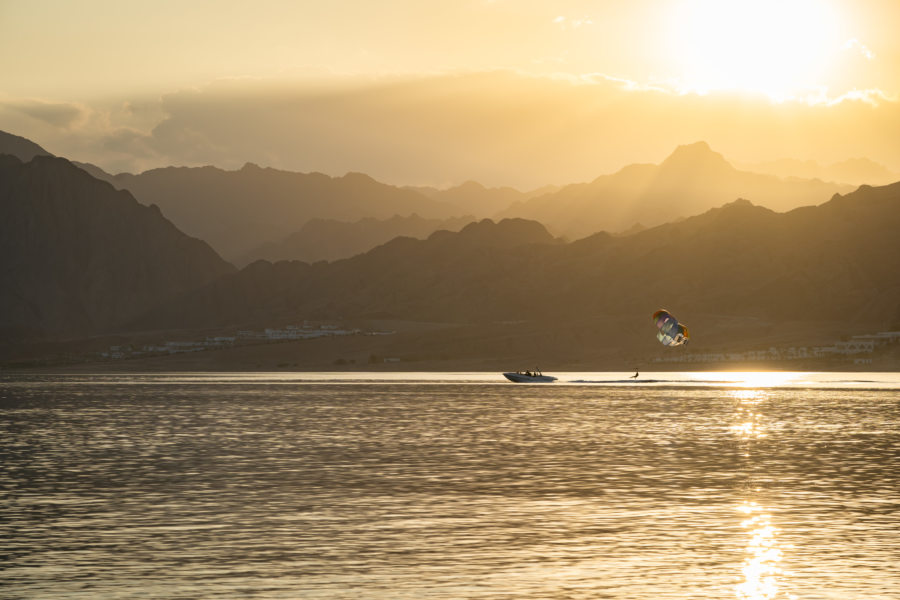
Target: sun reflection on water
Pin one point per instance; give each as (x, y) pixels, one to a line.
(755, 379)
(760, 569)
(750, 421)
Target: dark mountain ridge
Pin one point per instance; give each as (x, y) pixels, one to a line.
(837, 261)
(78, 257)
(22, 148)
(398, 277)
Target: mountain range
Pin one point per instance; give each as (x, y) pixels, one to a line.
(855, 171)
(839, 261)
(472, 198)
(239, 211)
(691, 180)
(329, 239)
(256, 210)
(78, 257)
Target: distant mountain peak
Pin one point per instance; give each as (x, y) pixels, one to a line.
(696, 156)
(356, 177)
(507, 232)
(470, 186)
(740, 212)
(740, 205)
(699, 146)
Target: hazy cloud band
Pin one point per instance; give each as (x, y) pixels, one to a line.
(496, 127)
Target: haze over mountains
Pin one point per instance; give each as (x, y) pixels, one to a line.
(239, 211)
(691, 180)
(329, 239)
(856, 171)
(267, 213)
(475, 199)
(236, 211)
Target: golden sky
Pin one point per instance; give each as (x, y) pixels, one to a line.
(512, 92)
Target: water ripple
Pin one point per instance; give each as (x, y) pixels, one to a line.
(450, 490)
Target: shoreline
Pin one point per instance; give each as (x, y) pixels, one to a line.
(449, 347)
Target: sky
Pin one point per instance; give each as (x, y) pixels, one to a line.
(505, 92)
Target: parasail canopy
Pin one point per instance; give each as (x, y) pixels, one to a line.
(671, 332)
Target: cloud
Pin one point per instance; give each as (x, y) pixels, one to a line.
(112, 134)
(128, 142)
(500, 128)
(871, 97)
(854, 43)
(568, 23)
(57, 114)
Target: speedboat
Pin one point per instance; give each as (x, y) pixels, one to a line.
(529, 377)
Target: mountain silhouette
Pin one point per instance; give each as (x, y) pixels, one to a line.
(691, 180)
(256, 209)
(237, 211)
(78, 257)
(22, 148)
(448, 275)
(856, 171)
(328, 239)
(839, 261)
(473, 198)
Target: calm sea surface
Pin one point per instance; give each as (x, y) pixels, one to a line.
(410, 486)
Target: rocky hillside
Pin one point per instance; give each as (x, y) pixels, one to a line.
(839, 261)
(78, 257)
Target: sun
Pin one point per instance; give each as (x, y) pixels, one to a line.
(782, 48)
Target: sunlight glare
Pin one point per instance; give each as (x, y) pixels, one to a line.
(749, 420)
(780, 48)
(764, 378)
(760, 568)
(754, 379)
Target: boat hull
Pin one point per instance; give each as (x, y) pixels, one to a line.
(522, 378)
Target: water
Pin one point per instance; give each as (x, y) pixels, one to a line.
(408, 486)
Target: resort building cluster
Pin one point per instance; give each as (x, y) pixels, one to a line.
(859, 348)
(308, 330)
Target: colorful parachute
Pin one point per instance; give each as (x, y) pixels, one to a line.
(671, 332)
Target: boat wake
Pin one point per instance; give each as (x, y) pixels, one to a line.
(654, 381)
